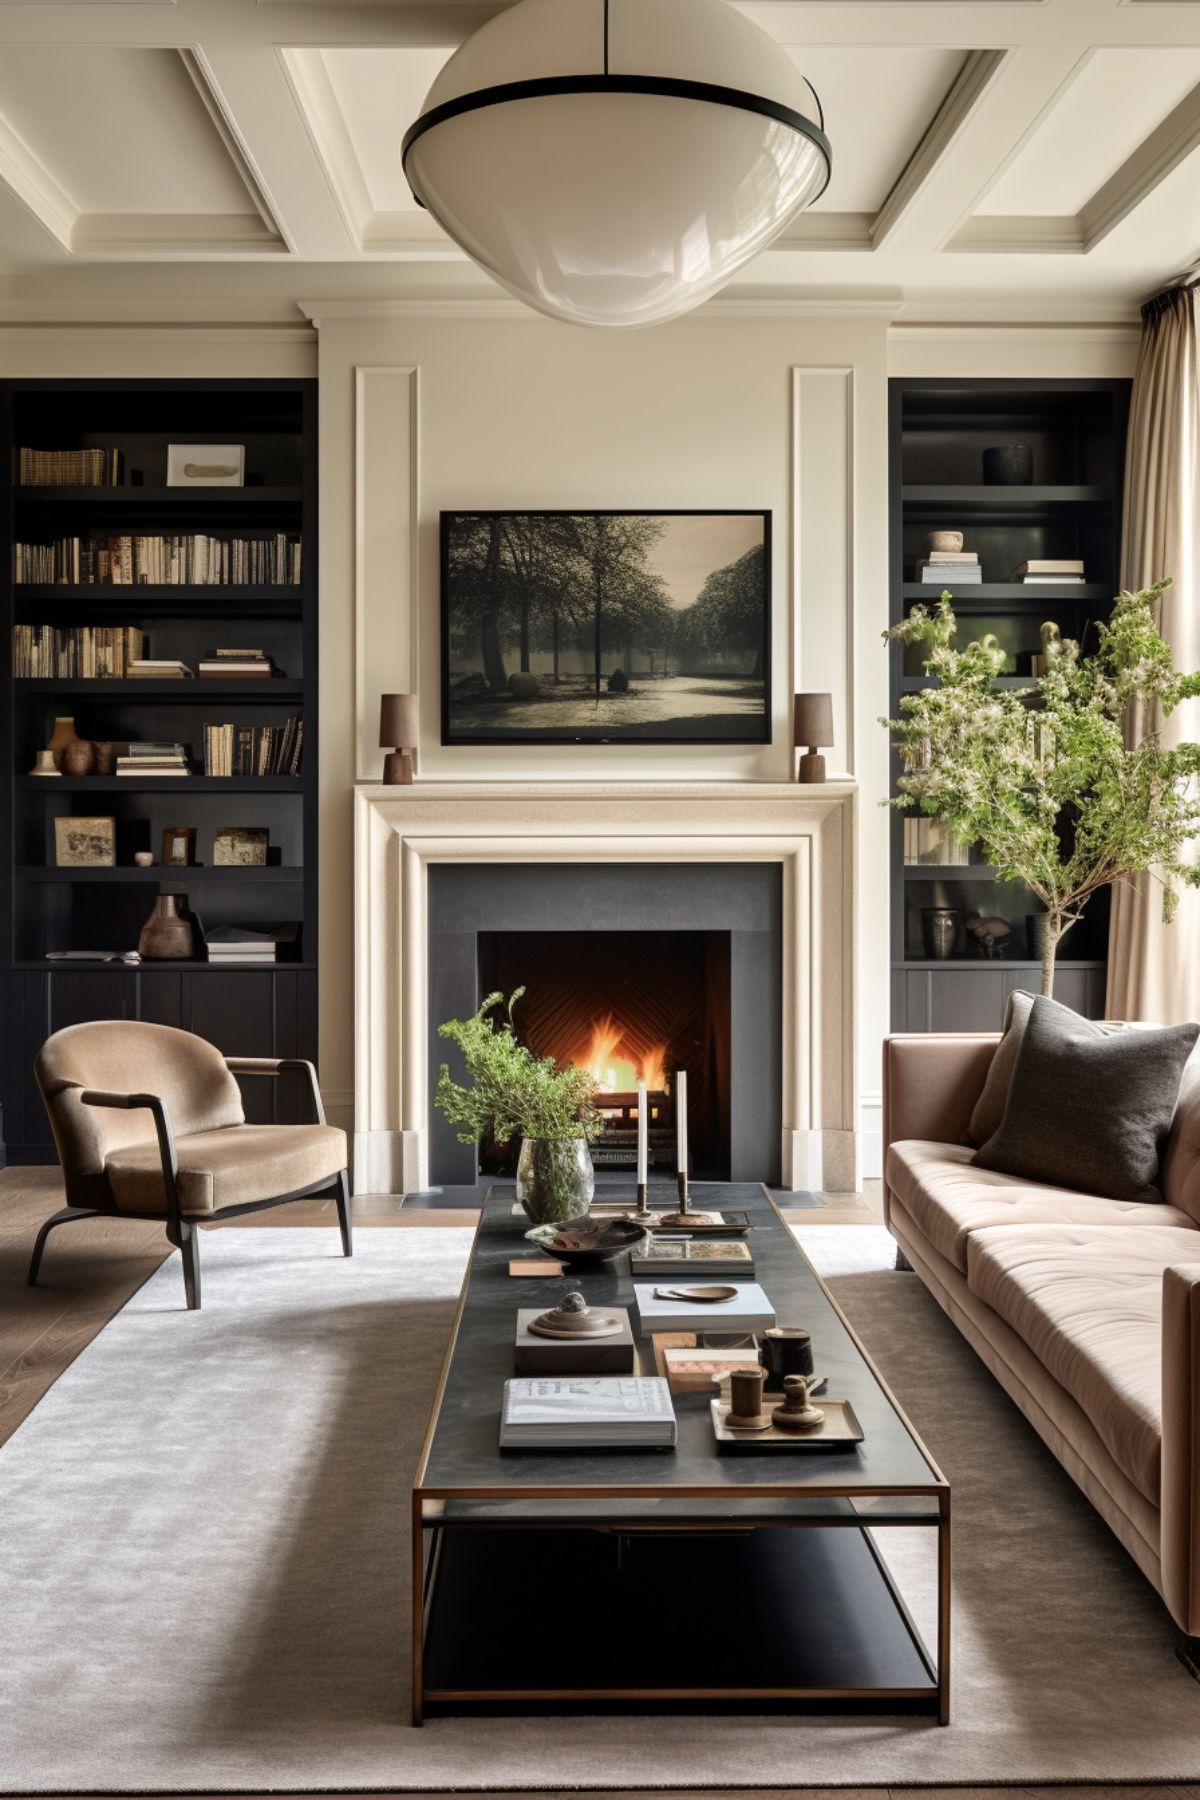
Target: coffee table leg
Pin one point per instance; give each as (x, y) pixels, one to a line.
(943, 1638)
(418, 1612)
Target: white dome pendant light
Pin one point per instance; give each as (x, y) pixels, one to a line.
(614, 162)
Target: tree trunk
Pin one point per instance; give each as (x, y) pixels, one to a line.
(598, 589)
(1054, 932)
(494, 672)
(629, 661)
(555, 630)
(525, 636)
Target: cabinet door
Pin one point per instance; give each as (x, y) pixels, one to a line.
(235, 1010)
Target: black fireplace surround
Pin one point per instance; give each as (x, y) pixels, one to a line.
(715, 926)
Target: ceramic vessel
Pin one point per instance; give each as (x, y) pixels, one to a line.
(78, 758)
(939, 927)
(63, 734)
(1008, 465)
(947, 542)
(44, 764)
(167, 936)
(104, 758)
(555, 1180)
(143, 859)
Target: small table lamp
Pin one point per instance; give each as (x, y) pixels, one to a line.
(398, 727)
(813, 726)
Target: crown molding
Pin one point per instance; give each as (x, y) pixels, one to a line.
(503, 306)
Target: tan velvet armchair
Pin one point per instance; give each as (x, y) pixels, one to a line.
(148, 1122)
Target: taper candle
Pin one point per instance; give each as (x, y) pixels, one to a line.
(681, 1120)
(643, 1139)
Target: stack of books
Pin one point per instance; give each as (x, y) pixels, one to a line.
(1055, 571)
(236, 663)
(748, 1309)
(236, 945)
(159, 668)
(949, 568)
(167, 561)
(75, 652)
(70, 468)
(254, 749)
(587, 1412)
(929, 841)
(153, 759)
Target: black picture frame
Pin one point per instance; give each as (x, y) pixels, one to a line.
(475, 710)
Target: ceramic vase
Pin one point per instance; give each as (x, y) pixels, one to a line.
(939, 927)
(104, 758)
(63, 734)
(167, 936)
(555, 1180)
(78, 758)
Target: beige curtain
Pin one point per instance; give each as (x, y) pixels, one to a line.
(1154, 969)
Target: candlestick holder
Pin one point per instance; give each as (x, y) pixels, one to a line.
(685, 1218)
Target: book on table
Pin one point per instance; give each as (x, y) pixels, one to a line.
(692, 1257)
(593, 1412)
(748, 1310)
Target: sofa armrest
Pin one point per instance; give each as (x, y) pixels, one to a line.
(931, 1082)
(278, 1065)
(1180, 1493)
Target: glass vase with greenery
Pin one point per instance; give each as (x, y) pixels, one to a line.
(1063, 784)
(517, 1094)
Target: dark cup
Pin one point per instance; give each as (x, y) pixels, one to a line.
(786, 1350)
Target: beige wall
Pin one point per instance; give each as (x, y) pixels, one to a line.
(737, 407)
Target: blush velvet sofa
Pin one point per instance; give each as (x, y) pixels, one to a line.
(1086, 1310)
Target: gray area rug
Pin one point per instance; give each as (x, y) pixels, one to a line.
(203, 1555)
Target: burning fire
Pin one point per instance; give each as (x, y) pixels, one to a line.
(616, 1068)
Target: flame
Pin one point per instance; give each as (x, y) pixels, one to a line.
(615, 1068)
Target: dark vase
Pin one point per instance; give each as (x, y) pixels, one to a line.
(78, 758)
(1008, 465)
(104, 757)
(939, 928)
(167, 936)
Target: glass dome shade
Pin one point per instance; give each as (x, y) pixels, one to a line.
(618, 198)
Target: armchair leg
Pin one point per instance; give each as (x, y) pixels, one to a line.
(63, 1217)
(187, 1242)
(343, 1207)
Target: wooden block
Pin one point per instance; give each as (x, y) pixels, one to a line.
(534, 1355)
(540, 1265)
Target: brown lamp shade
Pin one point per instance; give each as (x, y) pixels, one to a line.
(813, 718)
(398, 721)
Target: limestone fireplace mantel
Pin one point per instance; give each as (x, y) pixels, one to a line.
(401, 831)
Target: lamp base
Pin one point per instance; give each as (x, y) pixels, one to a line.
(811, 769)
(399, 767)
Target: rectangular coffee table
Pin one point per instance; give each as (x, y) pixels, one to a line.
(644, 1578)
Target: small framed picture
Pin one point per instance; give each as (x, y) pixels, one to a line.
(206, 465)
(179, 847)
(240, 847)
(85, 843)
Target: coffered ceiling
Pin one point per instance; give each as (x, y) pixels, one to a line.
(1022, 153)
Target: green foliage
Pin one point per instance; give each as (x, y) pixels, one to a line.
(1064, 785)
(516, 1094)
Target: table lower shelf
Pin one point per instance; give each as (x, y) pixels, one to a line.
(806, 1617)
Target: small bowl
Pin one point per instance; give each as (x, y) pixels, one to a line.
(947, 542)
(587, 1244)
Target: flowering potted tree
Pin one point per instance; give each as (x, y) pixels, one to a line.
(1059, 783)
(518, 1094)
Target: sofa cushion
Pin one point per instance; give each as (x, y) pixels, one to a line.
(227, 1168)
(988, 1110)
(1089, 1109)
(948, 1198)
(1089, 1306)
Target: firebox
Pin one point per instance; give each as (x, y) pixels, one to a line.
(630, 1006)
(634, 971)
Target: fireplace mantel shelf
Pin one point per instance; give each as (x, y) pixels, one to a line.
(401, 831)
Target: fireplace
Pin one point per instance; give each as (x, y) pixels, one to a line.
(635, 971)
(630, 1006)
(792, 1057)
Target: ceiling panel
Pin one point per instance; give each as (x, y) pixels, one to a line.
(1113, 103)
(120, 131)
(379, 94)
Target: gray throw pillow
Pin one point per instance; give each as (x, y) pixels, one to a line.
(1087, 1108)
(989, 1108)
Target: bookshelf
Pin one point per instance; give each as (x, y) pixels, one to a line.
(259, 1009)
(938, 431)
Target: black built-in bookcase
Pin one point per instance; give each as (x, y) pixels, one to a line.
(261, 1010)
(939, 430)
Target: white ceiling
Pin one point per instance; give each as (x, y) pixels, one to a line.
(1018, 151)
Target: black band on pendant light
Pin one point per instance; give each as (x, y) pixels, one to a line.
(667, 86)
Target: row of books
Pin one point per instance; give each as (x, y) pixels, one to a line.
(70, 468)
(929, 841)
(173, 560)
(75, 652)
(959, 568)
(254, 749)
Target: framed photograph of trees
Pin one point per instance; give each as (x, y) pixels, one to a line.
(606, 627)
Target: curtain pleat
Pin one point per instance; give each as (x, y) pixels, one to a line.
(1153, 968)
